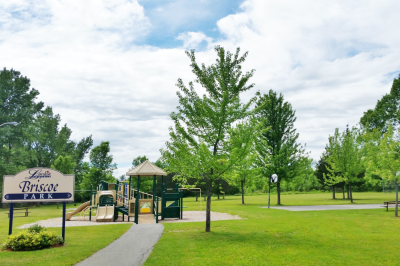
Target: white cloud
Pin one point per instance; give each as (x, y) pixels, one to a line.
(330, 59)
(192, 40)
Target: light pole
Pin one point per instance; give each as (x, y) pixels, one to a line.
(10, 123)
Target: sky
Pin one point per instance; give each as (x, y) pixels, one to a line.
(109, 67)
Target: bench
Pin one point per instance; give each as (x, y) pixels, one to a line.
(387, 203)
(17, 209)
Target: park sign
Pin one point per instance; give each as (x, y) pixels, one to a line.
(38, 185)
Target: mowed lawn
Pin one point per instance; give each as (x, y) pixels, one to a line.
(81, 242)
(278, 237)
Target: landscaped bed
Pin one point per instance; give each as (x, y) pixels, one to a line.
(81, 242)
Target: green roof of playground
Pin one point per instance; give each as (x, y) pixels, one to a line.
(146, 169)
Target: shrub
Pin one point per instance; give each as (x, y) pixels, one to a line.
(31, 240)
(36, 228)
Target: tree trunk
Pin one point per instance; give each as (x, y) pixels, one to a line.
(242, 186)
(397, 200)
(344, 197)
(278, 188)
(208, 210)
(351, 194)
(333, 192)
(223, 196)
(348, 188)
(218, 194)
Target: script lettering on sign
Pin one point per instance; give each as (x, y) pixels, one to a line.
(38, 184)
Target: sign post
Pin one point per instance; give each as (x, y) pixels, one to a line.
(38, 185)
(63, 221)
(11, 218)
(273, 178)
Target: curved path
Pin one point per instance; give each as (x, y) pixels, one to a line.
(328, 207)
(132, 248)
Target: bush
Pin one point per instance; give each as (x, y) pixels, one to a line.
(32, 240)
(36, 228)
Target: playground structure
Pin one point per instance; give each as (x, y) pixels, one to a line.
(112, 199)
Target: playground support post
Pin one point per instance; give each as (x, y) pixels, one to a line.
(269, 192)
(154, 190)
(91, 195)
(137, 201)
(63, 221)
(11, 218)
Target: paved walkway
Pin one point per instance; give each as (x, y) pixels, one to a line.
(131, 249)
(327, 207)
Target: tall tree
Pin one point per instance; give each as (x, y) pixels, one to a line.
(278, 150)
(344, 159)
(101, 165)
(202, 145)
(383, 158)
(17, 104)
(386, 109)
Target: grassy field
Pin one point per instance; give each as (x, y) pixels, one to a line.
(81, 242)
(277, 237)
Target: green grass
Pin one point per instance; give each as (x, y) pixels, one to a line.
(81, 242)
(278, 237)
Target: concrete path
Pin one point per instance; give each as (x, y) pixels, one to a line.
(131, 249)
(327, 207)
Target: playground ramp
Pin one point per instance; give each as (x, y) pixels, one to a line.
(78, 210)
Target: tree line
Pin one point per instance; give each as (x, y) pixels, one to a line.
(40, 140)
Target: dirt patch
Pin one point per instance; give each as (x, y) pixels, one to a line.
(74, 221)
(200, 216)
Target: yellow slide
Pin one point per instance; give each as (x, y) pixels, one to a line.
(78, 210)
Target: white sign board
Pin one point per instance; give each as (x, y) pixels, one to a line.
(274, 178)
(38, 185)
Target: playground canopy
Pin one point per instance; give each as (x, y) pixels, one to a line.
(146, 169)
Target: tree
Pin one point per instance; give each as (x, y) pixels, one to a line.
(344, 161)
(278, 150)
(17, 104)
(101, 166)
(387, 109)
(64, 164)
(138, 160)
(203, 143)
(383, 157)
(244, 173)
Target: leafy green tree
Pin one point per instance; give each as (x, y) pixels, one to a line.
(278, 150)
(64, 164)
(138, 160)
(101, 166)
(244, 173)
(386, 109)
(382, 157)
(17, 104)
(344, 161)
(203, 143)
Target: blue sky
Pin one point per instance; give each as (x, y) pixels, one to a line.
(170, 18)
(109, 67)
